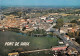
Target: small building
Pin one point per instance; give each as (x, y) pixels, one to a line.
(59, 48)
(35, 27)
(69, 24)
(67, 37)
(68, 29)
(13, 54)
(72, 39)
(49, 21)
(22, 20)
(51, 18)
(63, 30)
(27, 27)
(1, 26)
(43, 18)
(61, 42)
(6, 27)
(72, 51)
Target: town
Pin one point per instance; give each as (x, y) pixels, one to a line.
(61, 23)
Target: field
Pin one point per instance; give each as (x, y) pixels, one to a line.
(35, 42)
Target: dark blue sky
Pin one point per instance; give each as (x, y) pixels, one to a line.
(40, 2)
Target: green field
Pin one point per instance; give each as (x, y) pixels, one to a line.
(35, 42)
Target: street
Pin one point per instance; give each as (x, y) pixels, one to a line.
(71, 44)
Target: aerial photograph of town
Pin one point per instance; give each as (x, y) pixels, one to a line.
(39, 27)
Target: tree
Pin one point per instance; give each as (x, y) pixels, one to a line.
(60, 23)
(24, 28)
(73, 21)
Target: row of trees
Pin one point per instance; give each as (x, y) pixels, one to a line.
(37, 32)
(14, 29)
(75, 21)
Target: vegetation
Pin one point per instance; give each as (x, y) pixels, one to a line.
(59, 24)
(75, 21)
(14, 29)
(37, 31)
(35, 42)
(75, 35)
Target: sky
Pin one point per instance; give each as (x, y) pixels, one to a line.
(39, 2)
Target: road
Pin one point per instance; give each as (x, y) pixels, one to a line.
(51, 27)
(71, 44)
(35, 51)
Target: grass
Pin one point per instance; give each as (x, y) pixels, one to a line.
(35, 42)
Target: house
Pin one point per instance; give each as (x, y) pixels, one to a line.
(35, 27)
(68, 29)
(57, 48)
(67, 37)
(71, 29)
(27, 27)
(72, 51)
(69, 24)
(43, 18)
(72, 39)
(13, 54)
(6, 27)
(51, 18)
(49, 21)
(63, 30)
(13, 26)
(1, 26)
(23, 21)
(61, 42)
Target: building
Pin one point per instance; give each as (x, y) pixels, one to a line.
(27, 27)
(13, 54)
(57, 48)
(49, 21)
(1, 26)
(61, 42)
(6, 27)
(67, 37)
(72, 51)
(69, 24)
(63, 30)
(43, 18)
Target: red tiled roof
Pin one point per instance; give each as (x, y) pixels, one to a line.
(27, 26)
(49, 20)
(59, 48)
